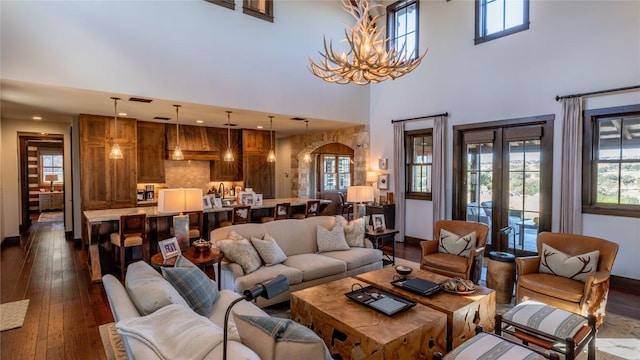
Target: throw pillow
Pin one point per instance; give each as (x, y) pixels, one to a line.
(353, 230)
(577, 267)
(451, 243)
(269, 250)
(241, 252)
(148, 290)
(275, 338)
(331, 240)
(193, 284)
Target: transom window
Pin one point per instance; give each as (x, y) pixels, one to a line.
(51, 164)
(336, 172)
(402, 27)
(611, 161)
(498, 18)
(262, 9)
(419, 159)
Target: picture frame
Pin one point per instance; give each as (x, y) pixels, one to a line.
(227, 202)
(217, 202)
(378, 222)
(247, 198)
(382, 164)
(257, 199)
(206, 202)
(169, 248)
(383, 182)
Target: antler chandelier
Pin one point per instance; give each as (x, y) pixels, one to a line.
(368, 59)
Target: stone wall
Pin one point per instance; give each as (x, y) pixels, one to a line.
(356, 138)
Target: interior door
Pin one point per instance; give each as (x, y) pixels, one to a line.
(504, 182)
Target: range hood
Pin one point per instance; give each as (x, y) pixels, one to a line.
(196, 142)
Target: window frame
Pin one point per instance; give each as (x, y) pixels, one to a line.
(408, 153)
(589, 171)
(391, 20)
(322, 172)
(482, 38)
(267, 15)
(49, 152)
(229, 4)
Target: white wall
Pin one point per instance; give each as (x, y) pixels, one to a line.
(191, 51)
(572, 46)
(10, 179)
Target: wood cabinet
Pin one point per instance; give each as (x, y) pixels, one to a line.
(107, 183)
(258, 174)
(50, 200)
(227, 171)
(389, 211)
(196, 142)
(151, 149)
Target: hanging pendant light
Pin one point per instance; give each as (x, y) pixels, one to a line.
(228, 155)
(116, 152)
(177, 152)
(307, 155)
(272, 154)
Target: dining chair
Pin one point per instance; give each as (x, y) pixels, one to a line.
(132, 233)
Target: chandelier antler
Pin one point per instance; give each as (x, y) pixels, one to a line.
(368, 59)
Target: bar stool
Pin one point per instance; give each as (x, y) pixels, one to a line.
(280, 212)
(240, 214)
(311, 209)
(132, 232)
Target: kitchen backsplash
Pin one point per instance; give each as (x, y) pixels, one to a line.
(187, 174)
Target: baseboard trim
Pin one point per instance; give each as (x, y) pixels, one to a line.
(10, 241)
(627, 285)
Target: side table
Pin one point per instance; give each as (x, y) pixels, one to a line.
(501, 272)
(379, 238)
(199, 259)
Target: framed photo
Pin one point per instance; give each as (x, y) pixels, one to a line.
(378, 222)
(169, 248)
(383, 182)
(257, 199)
(206, 202)
(382, 164)
(217, 202)
(246, 198)
(227, 202)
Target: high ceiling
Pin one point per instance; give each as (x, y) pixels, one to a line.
(22, 101)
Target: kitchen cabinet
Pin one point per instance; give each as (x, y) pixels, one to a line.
(258, 174)
(221, 170)
(151, 148)
(196, 142)
(107, 183)
(50, 200)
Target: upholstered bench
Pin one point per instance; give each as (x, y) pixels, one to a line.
(550, 328)
(490, 346)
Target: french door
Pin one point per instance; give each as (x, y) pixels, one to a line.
(502, 177)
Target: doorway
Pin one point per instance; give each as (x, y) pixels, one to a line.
(502, 178)
(41, 178)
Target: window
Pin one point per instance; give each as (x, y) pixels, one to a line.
(419, 158)
(51, 164)
(262, 9)
(402, 27)
(611, 161)
(229, 4)
(336, 172)
(498, 18)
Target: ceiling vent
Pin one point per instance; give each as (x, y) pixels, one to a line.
(229, 125)
(298, 119)
(142, 100)
(161, 118)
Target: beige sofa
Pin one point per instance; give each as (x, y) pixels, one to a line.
(304, 267)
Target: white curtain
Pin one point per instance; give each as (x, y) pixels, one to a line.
(571, 171)
(398, 171)
(438, 176)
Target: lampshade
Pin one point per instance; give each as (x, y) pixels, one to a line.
(51, 177)
(360, 194)
(372, 176)
(179, 200)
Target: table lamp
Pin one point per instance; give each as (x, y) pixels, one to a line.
(52, 178)
(179, 201)
(359, 195)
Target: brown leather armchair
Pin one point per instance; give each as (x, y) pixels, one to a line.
(453, 265)
(585, 298)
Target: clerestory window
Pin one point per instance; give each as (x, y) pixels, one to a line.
(402, 27)
(498, 18)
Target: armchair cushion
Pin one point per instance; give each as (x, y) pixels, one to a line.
(451, 243)
(447, 262)
(555, 286)
(577, 267)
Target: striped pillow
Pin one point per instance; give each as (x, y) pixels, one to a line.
(193, 284)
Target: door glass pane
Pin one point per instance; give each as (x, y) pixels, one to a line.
(479, 184)
(524, 194)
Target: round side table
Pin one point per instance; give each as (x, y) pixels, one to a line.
(501, 272)
(199, 259)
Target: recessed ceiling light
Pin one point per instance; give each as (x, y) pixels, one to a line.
(259, 126)
(199, 121)
(36, 117)
(122, 114)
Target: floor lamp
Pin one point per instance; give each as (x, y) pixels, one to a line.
(180, 201)
(358, 195)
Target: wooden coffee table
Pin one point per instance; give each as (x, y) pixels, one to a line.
(464, 312)
(354, 331)
(199, 259)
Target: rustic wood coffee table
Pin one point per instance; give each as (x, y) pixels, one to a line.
(464, 312)
(354, 331)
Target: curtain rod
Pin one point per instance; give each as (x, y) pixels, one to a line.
(420, 117)
(597, 92)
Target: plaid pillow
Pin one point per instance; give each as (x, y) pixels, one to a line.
(193, 284)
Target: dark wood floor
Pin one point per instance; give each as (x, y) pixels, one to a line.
(65, 309)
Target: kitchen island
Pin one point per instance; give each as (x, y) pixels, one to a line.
(100, 223)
